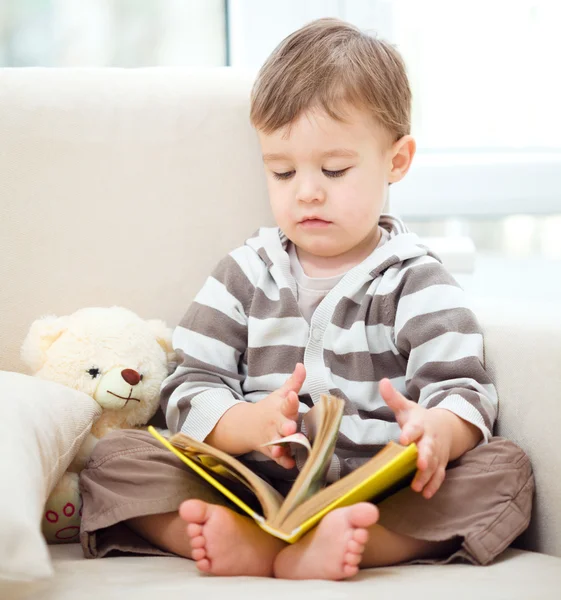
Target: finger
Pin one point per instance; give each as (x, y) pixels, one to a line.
(295, 381)
(279, 450)
(396, 401)
(427, 454)
(426, 467)
(287, 427)
(420, 480)
(290, 405)
(434, 484)
(286, 462)
(411, 432)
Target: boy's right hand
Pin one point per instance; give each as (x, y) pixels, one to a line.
(276, 417)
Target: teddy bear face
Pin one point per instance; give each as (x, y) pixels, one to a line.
(110, 354)
(119, 372)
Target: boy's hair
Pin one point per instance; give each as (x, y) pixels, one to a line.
(327, 64)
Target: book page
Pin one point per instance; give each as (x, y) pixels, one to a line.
(322, 422)
(353, 480)
(298, 445)
(227, 466)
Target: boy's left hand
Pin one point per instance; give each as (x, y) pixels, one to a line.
(428, 429)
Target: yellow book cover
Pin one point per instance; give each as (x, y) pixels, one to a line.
(310, 498)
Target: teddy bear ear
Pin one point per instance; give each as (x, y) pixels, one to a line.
(41, 336)
(163, 334)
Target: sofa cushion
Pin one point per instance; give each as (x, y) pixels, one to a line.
(516, 575)
(523, 355)
(42, 426)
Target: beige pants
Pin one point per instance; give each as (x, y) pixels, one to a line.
(484, 502)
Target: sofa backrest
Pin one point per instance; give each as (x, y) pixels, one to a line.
(120, 187)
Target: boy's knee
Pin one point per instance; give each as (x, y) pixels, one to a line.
(499, 452)
(501, 465)
(120, 442)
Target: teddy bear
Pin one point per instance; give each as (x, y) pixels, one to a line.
(116, 357)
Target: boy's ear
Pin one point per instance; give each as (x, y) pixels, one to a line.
(402, 153)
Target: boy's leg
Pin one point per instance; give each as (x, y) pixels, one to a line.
(131, 479)
(482, 506)
(485, 503)
(221, 541)
(132, 489)
(164, 531)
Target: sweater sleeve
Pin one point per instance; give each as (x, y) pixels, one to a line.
(442, 341)
(209, 341)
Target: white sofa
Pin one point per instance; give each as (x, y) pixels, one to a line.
(125, 187)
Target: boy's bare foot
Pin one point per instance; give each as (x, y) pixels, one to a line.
(226, 543)
(333, 550)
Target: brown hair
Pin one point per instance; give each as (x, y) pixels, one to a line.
(328, 64)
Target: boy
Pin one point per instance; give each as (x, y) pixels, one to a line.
(338, 299)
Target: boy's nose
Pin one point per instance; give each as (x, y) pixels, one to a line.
(310, 193)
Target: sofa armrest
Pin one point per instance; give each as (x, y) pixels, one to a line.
(523, 354)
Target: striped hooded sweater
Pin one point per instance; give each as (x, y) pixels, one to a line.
(398, 314)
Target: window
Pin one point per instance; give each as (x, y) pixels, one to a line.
(112, 33)
(485, 108)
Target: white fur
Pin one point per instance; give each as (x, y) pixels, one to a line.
(102, 352)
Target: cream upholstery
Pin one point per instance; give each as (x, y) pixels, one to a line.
(517, 575)
(120, 187)
(125, 187)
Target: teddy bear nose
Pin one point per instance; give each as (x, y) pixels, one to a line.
(130, 376)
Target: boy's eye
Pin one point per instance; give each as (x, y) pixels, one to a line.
(326, 172)
(285, 175)
(339, 173)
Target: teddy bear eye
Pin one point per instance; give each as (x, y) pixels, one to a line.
(94, 372)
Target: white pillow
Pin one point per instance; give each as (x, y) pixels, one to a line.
(42, 425)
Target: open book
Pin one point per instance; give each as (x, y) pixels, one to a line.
(309, 499)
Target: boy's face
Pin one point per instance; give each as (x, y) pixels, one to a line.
(328, 181)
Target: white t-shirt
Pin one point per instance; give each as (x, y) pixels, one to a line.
(312, 290)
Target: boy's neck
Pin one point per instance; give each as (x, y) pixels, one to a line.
(329, 266)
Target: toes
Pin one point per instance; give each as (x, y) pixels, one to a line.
(354, 546)
(352, 559)
(360, 536)
(193, 511)
(194, 530)
(363, 515)
(203, 565)
(198, 542)
(198, 554)
(350, 570)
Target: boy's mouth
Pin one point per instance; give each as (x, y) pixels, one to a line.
(311, 222)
